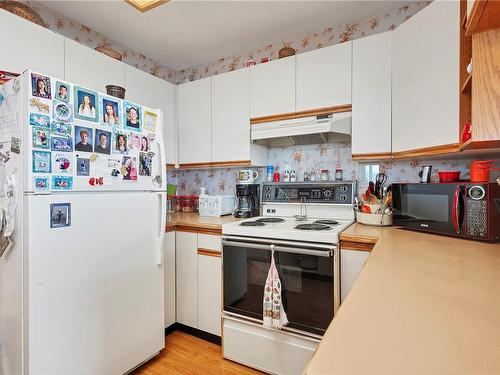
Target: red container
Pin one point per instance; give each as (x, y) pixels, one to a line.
(480, 170)
(276, 177)
(449, 176)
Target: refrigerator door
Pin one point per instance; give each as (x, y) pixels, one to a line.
(112, 157)
(95, 288)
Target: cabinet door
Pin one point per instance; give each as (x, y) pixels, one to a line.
(425, 78)
(272, 88)
(26, 45)
(209, 293)
(195, 121)
(351, 263)
(324, 77)
(187, 278)
(371, 94)
(154, 92)
(230, 116)
(89, 68)
(169, 279)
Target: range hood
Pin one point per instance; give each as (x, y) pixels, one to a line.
(328, 128)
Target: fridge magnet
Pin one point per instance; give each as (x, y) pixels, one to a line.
(60, 215)
(41, 137)
(85, 104)
(62, 111)
(110, 111)
(84, 139)
(61, 144)
(145, 164)
(41, 184)
(102, 141)
(41, 162)
(94, 157)
(60, 128)
(61, 163)
(62, 92)
(15, 145)
(129, 168)
(135, 141)
(37, 119)
(150, 121)
(120, 144)
(145, 143)
(40, 86)
(62, 183)
(132, 116)
(38, 106)
(82, 167)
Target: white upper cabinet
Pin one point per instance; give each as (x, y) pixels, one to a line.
(230, 116)
(425, 78)
(26, 45)
(371, 94)
(89, 68)
(272, 88)
(194, 116)
(154, 92)
(324, 77)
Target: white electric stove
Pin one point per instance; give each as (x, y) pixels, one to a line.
(300, 224)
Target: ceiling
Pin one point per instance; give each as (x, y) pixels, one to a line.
(181, 34)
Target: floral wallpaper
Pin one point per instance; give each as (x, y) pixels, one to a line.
(314, 158)
(323, 38)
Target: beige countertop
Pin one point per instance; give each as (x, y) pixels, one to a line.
(195, 221)
(422, 304)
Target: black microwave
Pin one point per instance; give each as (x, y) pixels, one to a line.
(462, 209)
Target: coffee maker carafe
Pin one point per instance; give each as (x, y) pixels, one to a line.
(247, 200)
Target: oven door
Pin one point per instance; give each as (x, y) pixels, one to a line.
(430, 207)
(308, 273)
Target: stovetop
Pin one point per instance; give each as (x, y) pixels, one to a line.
(310, 230)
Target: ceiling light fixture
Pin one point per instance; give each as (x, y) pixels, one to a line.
(145, 5)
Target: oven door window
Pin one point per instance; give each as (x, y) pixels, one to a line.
(307, 285)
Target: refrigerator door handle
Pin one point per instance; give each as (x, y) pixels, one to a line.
(163, 224)
(161, 173)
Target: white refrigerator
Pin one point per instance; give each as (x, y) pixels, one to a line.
(83, 190)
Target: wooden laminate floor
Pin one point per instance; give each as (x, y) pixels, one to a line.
(188, 355)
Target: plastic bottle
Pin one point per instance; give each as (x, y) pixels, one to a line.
(286, 174)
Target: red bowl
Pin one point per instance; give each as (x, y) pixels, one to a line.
(449, 176)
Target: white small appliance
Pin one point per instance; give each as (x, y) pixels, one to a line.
(216, 205)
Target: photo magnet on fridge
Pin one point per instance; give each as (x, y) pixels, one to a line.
(41, 137)
(110, 111)
(134, 141)
(85, 104)
(102, 142)
(62, 163)
(62, 111)
(40, 106)
(84, 139)
(37, 119)
(150, 121)
(41, 183)
(82, 167)
(120, 144)
(61, 128)
(129, 168)
(15, 145)
(61, 144)
(40, 86)
(62, 183)
(60, 215)
(145, 164)
(63, 92)
(41, 162)
(132, 116)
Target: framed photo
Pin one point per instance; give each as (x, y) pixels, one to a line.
(129, 168)
(41, 137)
(63, 92)
(61, 128)
(62, 163)
(62, 111)
(110, 111)
(62, 183)
(102, 142)
(134, 141)
(37, 119)
(41, 183)
(132, 116)
(41, 106)
(82, 167)
(61, 144)
(150, 118)
(145, 164)
(85, 102)
(40, 86)
(120, 145)
(60, 215)
(84, 138)
(41, 162)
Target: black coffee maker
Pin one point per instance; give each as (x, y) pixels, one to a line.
(247, 200)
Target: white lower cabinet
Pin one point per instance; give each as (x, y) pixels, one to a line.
(351, 263)
(169, 262)
(187, 278)
(209, 293)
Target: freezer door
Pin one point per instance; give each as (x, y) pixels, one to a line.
(95, 287)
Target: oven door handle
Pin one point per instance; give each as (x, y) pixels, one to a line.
(286, 249)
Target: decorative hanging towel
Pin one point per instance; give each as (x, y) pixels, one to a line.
(274, 313)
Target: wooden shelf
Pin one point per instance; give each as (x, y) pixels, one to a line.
(484, 16)
(466, 87)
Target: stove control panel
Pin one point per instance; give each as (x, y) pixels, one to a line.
(341, 192)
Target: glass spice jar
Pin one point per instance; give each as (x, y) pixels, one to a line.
(325, 175)
(339, 176)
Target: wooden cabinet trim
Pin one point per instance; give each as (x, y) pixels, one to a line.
(484, 16)
(359, 246)
(427, 151)
(301, 114)
(195, 229)
(209, 252)
(215, 164)
(374, 156)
